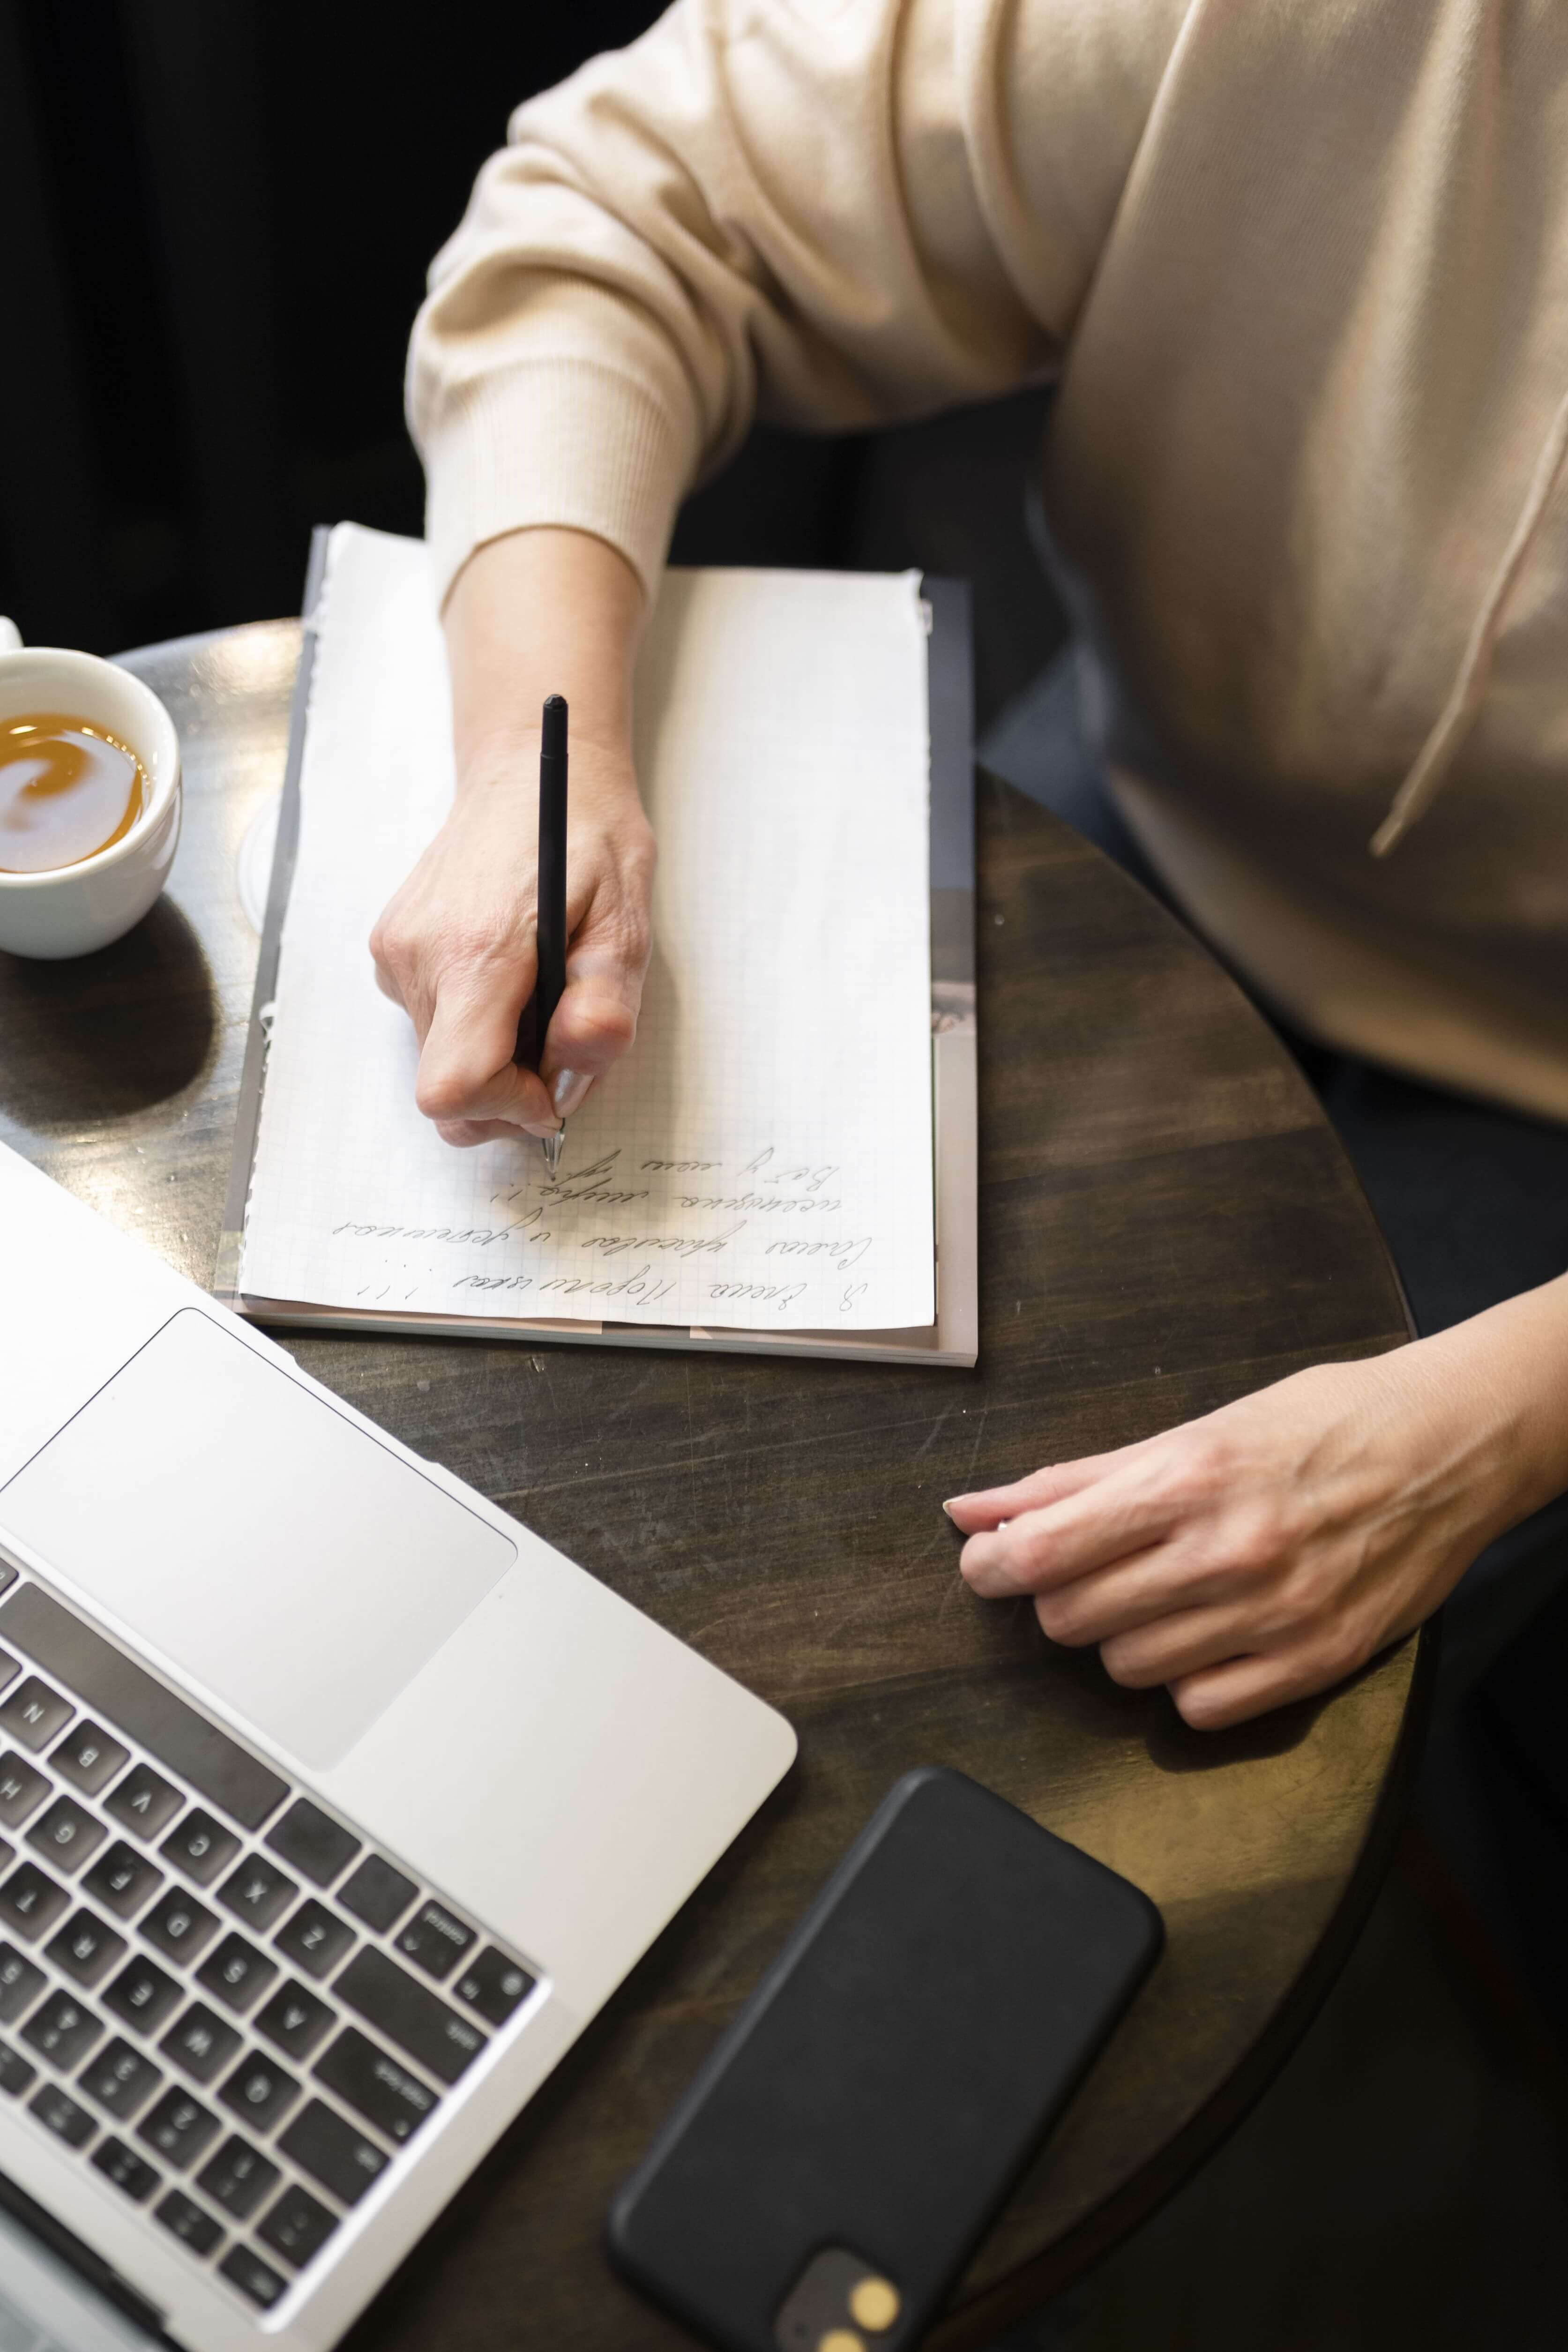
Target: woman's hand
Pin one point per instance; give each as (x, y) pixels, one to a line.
(456, 946)
(1267, 1550)
(537, 613)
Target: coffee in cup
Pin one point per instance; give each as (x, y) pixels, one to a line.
(67, 789)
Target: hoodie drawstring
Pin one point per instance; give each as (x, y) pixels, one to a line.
(1432, 762)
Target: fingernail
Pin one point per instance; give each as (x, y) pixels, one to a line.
(541, 1127)
(947, 1507)
(569, 1090)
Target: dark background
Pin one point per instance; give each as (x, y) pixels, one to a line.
(215, 218)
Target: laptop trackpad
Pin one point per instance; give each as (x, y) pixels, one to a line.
(258, 1538)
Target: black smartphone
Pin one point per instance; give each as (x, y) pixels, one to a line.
(821, 2183)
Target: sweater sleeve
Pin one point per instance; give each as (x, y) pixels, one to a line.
(831, 213)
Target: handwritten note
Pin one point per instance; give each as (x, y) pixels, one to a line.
(763, 1157)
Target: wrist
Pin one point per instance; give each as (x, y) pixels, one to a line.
(504, 761)
(534, 614)
(1495, 1392)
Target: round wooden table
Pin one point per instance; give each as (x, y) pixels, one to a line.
(1166, 1222)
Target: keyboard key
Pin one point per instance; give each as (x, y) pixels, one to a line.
(16, 2075)
(188, 2222)
(121, 1880)
(180, 2128)
(298, 2227)
(126, 1696)
(494, 1985)
(385, 2094)
(201, 2042)
(144, 1802)
(236, 1972)
(333, 2153)
(10, 1667)
(259, 2091)
(85, 1948)
(258, 1892)
(313, 1939)
(180, 1926)
(295, 2019)
(125, 2168)
(312, 1843)
(119, 2079)
(238, 2177)
(89, 1759)
(20, 1984)
(62, 2116)
(388, 1998)
(377, 1893)
(66, 1834)
(62, 2030)
(201, 1846)
(22, 1789)
(30, 1902)
(35, 1714)
(435, 1941)
(252, 2277)
(143, 1995)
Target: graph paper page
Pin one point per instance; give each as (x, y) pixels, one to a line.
(763, 1156)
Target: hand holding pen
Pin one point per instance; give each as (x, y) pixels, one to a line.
(534, 612)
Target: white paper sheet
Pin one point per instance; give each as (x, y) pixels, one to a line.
(763, 1157)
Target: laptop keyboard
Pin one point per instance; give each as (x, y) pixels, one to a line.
(220, 1997)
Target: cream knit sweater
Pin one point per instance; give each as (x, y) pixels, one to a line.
(1300, 269)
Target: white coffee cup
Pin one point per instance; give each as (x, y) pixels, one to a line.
(67, 910)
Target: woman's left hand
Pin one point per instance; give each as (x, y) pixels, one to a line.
(1268, 1549)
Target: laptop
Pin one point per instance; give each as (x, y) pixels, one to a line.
(333, 1804)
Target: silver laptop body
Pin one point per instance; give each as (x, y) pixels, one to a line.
(332, 1802)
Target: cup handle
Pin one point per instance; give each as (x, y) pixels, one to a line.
(10, 636)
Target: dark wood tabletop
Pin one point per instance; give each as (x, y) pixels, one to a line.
(1166, 1221)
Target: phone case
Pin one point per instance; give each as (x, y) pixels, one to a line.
(820, 2184)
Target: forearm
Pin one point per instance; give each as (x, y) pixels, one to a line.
(533, 613)
(1498, 1386)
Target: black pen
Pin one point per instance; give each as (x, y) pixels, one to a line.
(551, 937)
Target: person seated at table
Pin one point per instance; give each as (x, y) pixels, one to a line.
(1300, 276)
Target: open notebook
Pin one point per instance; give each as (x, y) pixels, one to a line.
(785, 1160)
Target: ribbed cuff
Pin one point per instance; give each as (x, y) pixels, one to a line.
(565, 441)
